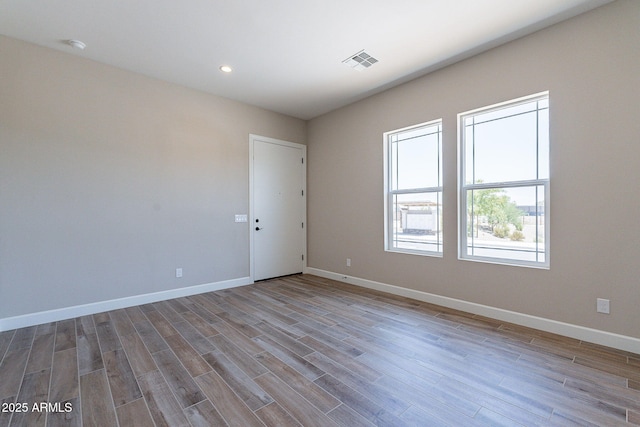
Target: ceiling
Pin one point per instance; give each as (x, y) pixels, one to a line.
(286, 54)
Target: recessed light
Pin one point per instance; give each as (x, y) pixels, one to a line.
(76, 44)
(226, 69)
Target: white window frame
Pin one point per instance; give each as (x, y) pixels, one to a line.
(463, 188)
(389, 193)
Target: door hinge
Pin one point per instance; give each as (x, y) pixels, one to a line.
(303, 225)
(302, 160)
(303, 257)
(302, 191)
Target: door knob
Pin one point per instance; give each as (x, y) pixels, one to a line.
(258, 228)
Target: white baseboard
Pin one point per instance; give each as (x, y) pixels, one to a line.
(99, 307)
(608, 339)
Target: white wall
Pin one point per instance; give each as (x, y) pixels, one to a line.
(591, 66)
(110, 180)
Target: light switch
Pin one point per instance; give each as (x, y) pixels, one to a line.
(241, 218)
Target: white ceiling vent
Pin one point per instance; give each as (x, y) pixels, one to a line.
(360, 60)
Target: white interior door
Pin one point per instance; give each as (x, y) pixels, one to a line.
(278, 207)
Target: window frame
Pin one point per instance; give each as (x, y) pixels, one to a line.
(389, 193)
(463, 188)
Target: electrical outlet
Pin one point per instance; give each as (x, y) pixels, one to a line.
(602, 305)
(348, 262)
(178, 272)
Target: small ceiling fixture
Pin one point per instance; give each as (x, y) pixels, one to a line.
(360, 60)
(76, 44)
(226, 69)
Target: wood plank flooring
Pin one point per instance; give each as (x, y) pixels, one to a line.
(308, 351)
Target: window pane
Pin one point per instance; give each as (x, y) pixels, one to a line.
(506, 223)
(504, 175)
(505, 149)
(414, 198)
(415, 159)
(417, 221)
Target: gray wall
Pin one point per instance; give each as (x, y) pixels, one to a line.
(110, 180)
(591, 66)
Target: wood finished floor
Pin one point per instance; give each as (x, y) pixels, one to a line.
(308, 351)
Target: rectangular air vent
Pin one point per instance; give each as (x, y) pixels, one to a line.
(360, 60)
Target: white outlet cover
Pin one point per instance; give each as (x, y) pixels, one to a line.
(241, 218)
(602, 306)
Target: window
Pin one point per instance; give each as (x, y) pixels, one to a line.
(504, 183)
(413, 189)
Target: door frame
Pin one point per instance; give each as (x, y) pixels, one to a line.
(252, 141)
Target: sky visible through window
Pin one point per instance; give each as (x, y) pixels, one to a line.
(415, 203)
(515, 148)
(505, 179)
(510, 144)
(417, 153)
(506, 172)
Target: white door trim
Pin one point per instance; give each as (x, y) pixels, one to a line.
(252, 139)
